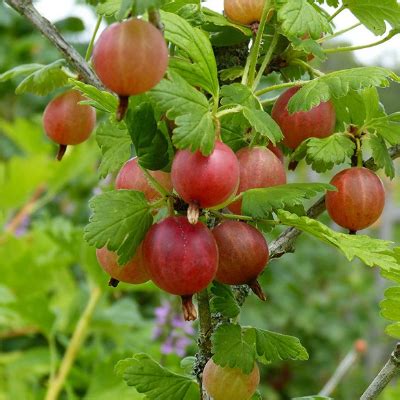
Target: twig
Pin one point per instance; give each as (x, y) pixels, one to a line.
(74, 346)
(204, 341)
(387, 373)
(26, 9)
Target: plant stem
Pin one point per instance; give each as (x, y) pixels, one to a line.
(364, 46)
(387, 373)
(248, 77)
(227, 111)
(26, 9)
(279, 86)
(340, 372)
(204, 342)
(231, 216)
(308, 67)
(74, 346)
(359, 153)
(336, 13)
(153, 182)
(155, 19)
(267, 102)
(91, 43)
(338, 33)
(267, 59)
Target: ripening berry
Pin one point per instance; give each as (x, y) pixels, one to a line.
(259, 168)
(318, 122)
(132, 272)
(206, 181)
(359, 200)
(66, 122)
(131, 177)
(223, 383)
(245, 11)
(130, 57)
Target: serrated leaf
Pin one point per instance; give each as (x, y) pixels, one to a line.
(272, 346)
(380, 154)
(15, 72)
(115, 144)
(323, 154)
(154, 381)
(233, 348)
(233, 129)
(386, 127)
(236, 93)
(263, 124)
(44, 80)
(108, 8)
(100, 99)
(119, 220)
(338, 84)
(197, 65)
(223, 301)
(191, 111)
(308, 46)
(390, 310)
(259, 203)
(299, 17)
(230, 74)
(374, 15)
(150, 143)
(372, 252)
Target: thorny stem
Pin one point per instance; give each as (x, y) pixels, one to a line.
(74, 346)
(248, 76)
(93, 38)
(364, 46)
(387, 373)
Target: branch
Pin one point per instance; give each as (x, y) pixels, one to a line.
(387, 373)
(27, 10)
(74, 346)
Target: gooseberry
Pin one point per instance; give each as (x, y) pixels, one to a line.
(245, 12)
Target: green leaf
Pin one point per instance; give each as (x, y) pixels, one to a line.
(70, 24)
(380, 154)
(308, 46)
(323, 154)
(230, 74)
(386, 127)
(390, 309)
(374, 15)
(263, 124)
(338, 84)
(100, 99)
(236, 93)
(272, 346)
(156, 382)
(197, 62)
(223, 301)
(119, 220)
(233, 129)
(109, 8)
(151, 145)
(15, 72)
(44, 80)
(313, 398)
(259, 203)
(372, 252)
(115, 144)
(299, 17)
(233, 348)
(190, 110)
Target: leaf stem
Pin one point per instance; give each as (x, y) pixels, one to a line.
(248, 76)
(308, 67)
(338, 33)
(359, 153)
(336, 13)
(93, 38)
(74, 346)
(227, 111)
(364, 46)
(267, 59)
(279, 86)
(231, 216)
(153, 182)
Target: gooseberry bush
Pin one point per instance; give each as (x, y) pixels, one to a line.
(198, 151)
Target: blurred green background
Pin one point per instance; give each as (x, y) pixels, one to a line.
(48, 274)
